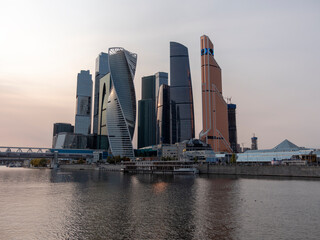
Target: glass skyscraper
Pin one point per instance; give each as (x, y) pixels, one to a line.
(102, 68)
(83, 103)
(117, 103)
(163, 115)
(102, 138)
(147, 108)
(214, 108)
(182, 113)
(232, 127)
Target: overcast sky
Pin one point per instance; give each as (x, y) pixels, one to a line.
(269, 52)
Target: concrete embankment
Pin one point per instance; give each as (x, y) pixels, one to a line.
(78, 167)
(285, 171)
(103, 167)
(110, 167)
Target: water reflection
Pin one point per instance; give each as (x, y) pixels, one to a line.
(44, 204)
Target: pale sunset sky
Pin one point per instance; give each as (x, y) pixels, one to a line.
(269, 52)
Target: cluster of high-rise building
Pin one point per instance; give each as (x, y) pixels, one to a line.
(165, 111)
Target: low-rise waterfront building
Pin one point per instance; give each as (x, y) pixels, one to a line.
(286, 150)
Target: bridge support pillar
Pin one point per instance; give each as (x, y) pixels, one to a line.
(54, 162)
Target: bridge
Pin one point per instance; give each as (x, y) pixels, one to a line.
(20, 154)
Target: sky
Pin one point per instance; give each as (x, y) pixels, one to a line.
(269, 52)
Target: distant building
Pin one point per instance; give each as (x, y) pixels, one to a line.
(163, 115)
(62, 127)
(214, 108)
(254, 143)
(65, 140)
(283, 151)
(83, 104)
(232, 127)
(182, 112)
(102, 68)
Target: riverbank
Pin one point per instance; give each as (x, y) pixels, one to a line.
(78, 167)
(285, 171)
(238, 170)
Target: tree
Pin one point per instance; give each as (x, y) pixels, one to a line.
(39, 162)
(233, 158)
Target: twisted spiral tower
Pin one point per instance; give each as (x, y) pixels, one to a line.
(121, 104)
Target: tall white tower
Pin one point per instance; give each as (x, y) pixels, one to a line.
(84, 103)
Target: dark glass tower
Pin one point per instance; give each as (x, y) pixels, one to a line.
(182, 114)
(146, 112)
(147, 108)
(163, 115)
(232, 127)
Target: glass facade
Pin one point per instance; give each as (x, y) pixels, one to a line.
(102, 68)
(215, 130)
(62, 127)
(147, 112)
(182, 112)
(147, 115)
(163, 115)
(121, 104)
(146, 130)
(105, 85)
(232, 127)
(83, 103)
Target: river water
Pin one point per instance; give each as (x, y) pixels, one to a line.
(46, 204)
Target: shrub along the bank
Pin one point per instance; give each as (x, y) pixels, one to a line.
(39, 162)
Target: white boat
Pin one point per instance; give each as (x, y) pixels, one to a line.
(189, 170)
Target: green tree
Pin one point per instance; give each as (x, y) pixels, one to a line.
(233, 158)
(39, 162)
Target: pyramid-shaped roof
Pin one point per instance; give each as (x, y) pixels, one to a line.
(286, 145)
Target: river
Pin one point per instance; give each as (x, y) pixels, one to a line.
(55, 204)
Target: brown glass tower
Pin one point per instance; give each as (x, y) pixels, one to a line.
(214, 107)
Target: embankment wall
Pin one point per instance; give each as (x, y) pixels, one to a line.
(287, 171)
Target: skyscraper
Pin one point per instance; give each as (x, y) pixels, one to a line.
(232, 127)
(119, 101)
(182, 116)
(147, 108)
(214, 108)
(163, 115)
(83, 104)
(102, 68)
(147, 112)
(146, 123)
(102, 138)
